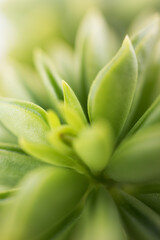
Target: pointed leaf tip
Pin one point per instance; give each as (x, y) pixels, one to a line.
(72, 102)
(112, 92)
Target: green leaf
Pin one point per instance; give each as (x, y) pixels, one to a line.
(137, 158)
(53, 119)
(72, 117)
(11, 147)
(99, 219)
(14, 165)
(143, 42)
(141, 221)
(21, 82)
(63, 58)
(61, 138)
(112, 91)
(59, 231)
(24, 119)
(50, 78)
(6, 136)
(150, 199)
(94, 146)
(7, 193)
(71, 101)
(95, 45)
(48, 154)
(149, 194)
(150, 117)
(13, 83)
(47, 197)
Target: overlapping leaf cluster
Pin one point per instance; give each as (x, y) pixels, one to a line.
(95, 144)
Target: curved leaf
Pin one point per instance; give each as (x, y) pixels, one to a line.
(24, 119)
(137, 159)
(95, 45)
(112, 91)
(141, 221)
(143, 42)
(99, 219)
(48, 154)
(14, 165)
(61, 138)
(72, 117)
(151, 117)
(47, 197)
(94, 146)
(53, 119)
(6, 136)
(50, 77)
(72, 102)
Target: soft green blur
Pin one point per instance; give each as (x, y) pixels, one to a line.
(29, 24)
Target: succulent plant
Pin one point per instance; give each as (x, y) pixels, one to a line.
(86, 165)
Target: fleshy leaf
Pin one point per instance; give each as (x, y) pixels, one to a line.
(53, 119)
(63, 58)
(50, 78)
(15, 164)
(99, 219)
(72, 117)
(94, 145)
(141, 221)
(24, 119)
(6, 136)
(151, 117)
(56, 191)
(137, 158)
(95, 45)
(13, 84)
(48, 154)
(143, 43)
(61, 138)
(21, 82)
(150, 199)
(112, 91)
(71, 101)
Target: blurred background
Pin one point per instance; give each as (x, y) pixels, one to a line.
(61, 28)
(28, 24)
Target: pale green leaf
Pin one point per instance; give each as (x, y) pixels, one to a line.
(50, 78)
(24, 119)
(112, 92)
(6, 136)
(53, 119)
(95, 45)
(72, 102)
(151, 117)
(47, 197)
(63, 58)
(99, 219)
(61, 138)
(72, 117)
(137, 158)
(14, 165)
(48, 154)
(143, 42)
(94, 146)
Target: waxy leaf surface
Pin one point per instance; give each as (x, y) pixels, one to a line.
(137, 158)
(94, 146)
(112, 91)
(15, 164)
(24, 119)
(48, 196)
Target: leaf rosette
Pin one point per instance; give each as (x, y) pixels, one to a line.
(82, 150)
